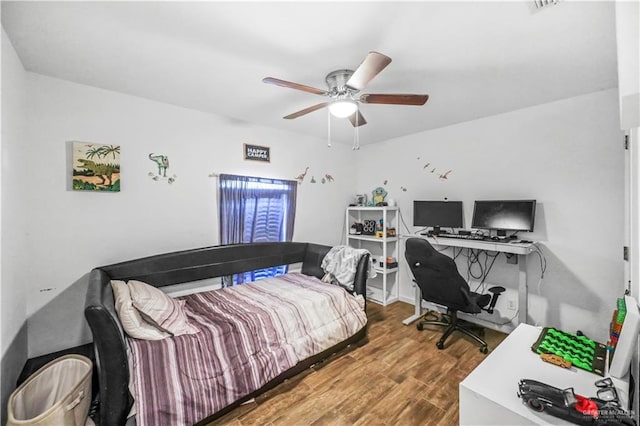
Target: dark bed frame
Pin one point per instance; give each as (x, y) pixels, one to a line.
(181, 267)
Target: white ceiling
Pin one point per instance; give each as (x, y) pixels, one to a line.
(474, 59)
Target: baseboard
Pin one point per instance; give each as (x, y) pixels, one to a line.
(406, 299)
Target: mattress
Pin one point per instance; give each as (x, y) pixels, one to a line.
(248, 334)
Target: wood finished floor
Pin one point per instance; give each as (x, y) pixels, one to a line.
(397, 378)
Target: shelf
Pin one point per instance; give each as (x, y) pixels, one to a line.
(385, 271)
(372, 238)
(384, 289)
(377, 295)
(373, 208)
(389, 300)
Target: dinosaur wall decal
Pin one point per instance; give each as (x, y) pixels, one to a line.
(301, 176)
(162, 162)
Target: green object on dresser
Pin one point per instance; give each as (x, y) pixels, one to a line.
(581, 351)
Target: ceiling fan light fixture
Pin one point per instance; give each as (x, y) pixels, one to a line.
(343, 108)
(343, 85)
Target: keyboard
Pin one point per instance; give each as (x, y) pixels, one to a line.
(462, 237)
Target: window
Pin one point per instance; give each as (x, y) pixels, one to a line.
(253, 210)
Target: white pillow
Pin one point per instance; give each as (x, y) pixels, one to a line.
(160, 309)
(134, 325)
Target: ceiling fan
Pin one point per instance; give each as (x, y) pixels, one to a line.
(344, 86)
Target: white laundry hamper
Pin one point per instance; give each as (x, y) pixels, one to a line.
(58, 394)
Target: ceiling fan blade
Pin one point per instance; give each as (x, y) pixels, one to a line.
(368, 69)
(393, 99)
(283, 83)
(357, 119)
(306, 111)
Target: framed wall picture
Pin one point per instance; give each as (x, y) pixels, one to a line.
(257, 153)
(96, 167)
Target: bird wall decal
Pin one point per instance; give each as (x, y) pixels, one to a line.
(444, 175)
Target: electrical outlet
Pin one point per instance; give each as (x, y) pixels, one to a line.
(511, 305)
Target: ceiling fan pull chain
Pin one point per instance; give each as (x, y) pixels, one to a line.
(357, 138)
(328, 128)
(356, 134)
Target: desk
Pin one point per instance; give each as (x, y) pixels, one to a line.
(488, 395)
(519, 249)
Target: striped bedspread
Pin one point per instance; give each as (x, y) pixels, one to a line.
(248, 335)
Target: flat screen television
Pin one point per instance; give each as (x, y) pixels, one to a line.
(437, 214)
(504, 215)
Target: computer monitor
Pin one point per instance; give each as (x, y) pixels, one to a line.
(504, 215)
(437, 214)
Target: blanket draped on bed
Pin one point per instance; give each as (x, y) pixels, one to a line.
(248, 335)
(341, 265)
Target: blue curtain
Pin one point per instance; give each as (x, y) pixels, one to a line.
(254, 209)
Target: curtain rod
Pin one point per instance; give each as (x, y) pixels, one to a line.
(217, 175)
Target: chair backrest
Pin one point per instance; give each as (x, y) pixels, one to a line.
(437, 276)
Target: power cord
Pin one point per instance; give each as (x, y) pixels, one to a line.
(487, 269)
(543, 260)
(419, 231)
(473, 259)
(404, 223)
(455, 256)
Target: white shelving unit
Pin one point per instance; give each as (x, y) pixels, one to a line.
(385, 287)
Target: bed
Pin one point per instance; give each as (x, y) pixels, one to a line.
(113, 348)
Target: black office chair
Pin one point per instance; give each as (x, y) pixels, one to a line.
(440, 282)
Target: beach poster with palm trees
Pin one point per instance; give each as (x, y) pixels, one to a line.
(96, 167)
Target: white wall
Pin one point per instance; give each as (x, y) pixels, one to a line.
(70, 232)
(568, 155)
(13, 312)
(628, 54)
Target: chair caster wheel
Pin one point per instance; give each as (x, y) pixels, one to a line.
(484, 350)
(440, 345)
(419, 326)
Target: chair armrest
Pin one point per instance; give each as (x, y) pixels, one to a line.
(496, 292)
